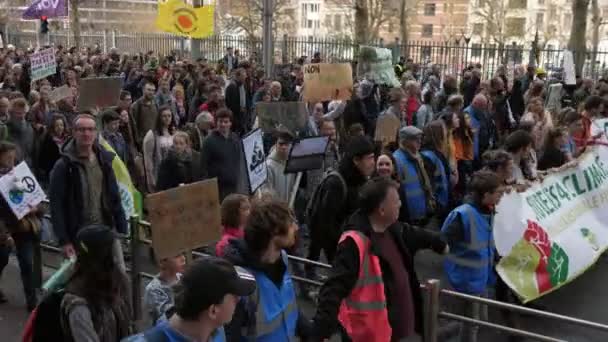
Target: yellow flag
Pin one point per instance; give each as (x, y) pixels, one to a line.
(175, 16)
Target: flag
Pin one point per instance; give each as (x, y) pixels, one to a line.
(174, 16)
(48, 8)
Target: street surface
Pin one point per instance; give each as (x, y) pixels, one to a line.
(585, 298)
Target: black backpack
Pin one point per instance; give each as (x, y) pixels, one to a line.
(46, 319)
(312, 209)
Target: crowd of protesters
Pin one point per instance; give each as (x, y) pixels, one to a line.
(369, 209)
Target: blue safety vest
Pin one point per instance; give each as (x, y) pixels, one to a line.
(441, 180)
(469, 265)
(412, 188)
(276, 309)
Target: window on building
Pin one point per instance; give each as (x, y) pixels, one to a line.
(552, 12)
(427, 30)
(476, 50)
(518, 4)
(317, 23)
(478, 29)
(304, 15)
(309, 24)
(338, 22)
(540, 20)
(328, 21)
(314, 8)
(515, 27)
(429, 9)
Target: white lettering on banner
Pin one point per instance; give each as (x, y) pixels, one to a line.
(43, 64)
(554, 231)
(47, 4)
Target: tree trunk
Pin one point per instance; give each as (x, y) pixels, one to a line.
(595, 36)
(75, 22)
(403, 28)
(361, 22)
(577, 34)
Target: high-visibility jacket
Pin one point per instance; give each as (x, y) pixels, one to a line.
(441, 179)
(411, 186)
(364, 314)
(276, 313)
(469, 264)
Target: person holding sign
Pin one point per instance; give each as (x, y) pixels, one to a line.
(83, 189)
(21, 234)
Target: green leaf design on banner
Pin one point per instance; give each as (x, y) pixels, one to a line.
(519, 267)
(558, 265)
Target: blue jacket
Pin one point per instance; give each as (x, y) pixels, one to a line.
(440, 178)
(164, 333)
(411, 187)
(469, 266)
(66, 194)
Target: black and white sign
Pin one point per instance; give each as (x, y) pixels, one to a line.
(255, 160)
(307, 154)
(21, 190)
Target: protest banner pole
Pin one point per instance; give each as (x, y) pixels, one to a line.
(267, 43)
(294, 190)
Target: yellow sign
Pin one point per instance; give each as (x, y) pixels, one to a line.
(175, 16)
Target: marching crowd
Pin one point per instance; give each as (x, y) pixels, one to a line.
(463, 141)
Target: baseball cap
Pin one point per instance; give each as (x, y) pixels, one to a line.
(409, 132)
(209, 279)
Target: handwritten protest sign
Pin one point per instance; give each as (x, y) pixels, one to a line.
(255, 160)
(43, 64)
(387, 127)
(377, 64)
(554, 231)
(324, 82)
(184, 218)
(21, 190)
(291, 115)
(61, 93)
(99, 92)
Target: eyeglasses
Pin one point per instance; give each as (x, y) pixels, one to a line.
(85, 129)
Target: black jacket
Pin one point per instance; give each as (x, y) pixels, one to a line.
(66, 195)
(174, 171)
(345, 271)
(47, 156)
(221, 157)
(239, 254)
(233, 102)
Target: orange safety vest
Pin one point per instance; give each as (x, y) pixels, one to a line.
(363, 314)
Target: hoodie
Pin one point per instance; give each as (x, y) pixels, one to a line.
(279, 183)
(68, 190)
(239, 254)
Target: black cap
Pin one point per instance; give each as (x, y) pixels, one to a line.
(217, 278)
(95, 239)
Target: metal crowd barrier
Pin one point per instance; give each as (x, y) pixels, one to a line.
(431, 289)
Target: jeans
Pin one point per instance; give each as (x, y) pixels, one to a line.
(25, 245)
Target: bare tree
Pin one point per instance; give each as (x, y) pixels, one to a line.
(493, 13)
(370, 16)
(249, 18)
(596, 23)
(577, 43)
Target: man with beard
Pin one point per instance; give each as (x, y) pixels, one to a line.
(271, 313)
(145, 113)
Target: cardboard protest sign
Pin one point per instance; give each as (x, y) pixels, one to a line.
(60, 93)
(377, 64)
(307, 154)
(291, 115)
(324, 82)
(184, 218)
(43, 64)
(569, 71)
(21, 190)
(387, 127)
(554, 231)
(99, 92)
(255, 160)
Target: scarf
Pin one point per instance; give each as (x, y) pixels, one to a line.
(424, 180)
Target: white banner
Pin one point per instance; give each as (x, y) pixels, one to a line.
(43, 64)
(21, 190)
(551, 233)
(255, 160)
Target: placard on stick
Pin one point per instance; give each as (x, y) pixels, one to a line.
(184, 218)
(387, 127)
(323, 82)
(99, 92)
(291, 115)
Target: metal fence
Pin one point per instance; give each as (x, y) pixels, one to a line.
(452, 56)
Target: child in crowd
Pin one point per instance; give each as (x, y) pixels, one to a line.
(159, 297)
(235, 213)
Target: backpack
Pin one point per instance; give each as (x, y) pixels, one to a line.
(45, 322)
(312, 208)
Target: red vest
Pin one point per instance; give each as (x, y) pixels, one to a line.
(363, 313)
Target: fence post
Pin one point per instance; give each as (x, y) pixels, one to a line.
(135, 286)
(114, 38)
(432, 288)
